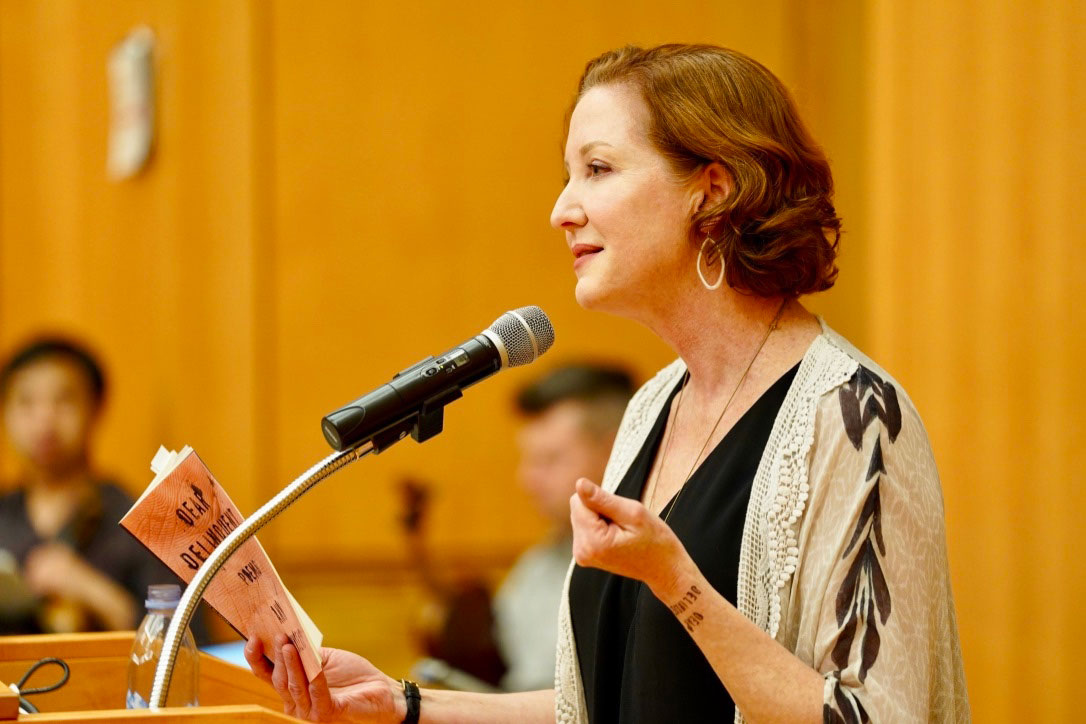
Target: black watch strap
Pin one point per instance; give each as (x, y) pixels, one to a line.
(414, 701)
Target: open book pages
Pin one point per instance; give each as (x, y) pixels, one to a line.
(181, 517)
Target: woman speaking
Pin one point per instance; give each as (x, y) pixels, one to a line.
(767, 543)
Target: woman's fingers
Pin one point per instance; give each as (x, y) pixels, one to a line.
(580, 516)
(321, 699)
(279, 678)
(619, 535)
(592, 534)
(624, 511)
(301, 698)
(254, 655)
(297, 683)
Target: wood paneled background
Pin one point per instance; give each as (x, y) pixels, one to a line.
(341, 188)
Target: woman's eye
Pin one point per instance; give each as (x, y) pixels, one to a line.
(595, 169)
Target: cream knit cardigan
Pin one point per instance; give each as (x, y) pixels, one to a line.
(843, 559)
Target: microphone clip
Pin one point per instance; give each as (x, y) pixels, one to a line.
(427, 423)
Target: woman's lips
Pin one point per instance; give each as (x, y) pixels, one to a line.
(582, 252)
(582, 249)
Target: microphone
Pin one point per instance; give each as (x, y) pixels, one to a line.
(414, 401)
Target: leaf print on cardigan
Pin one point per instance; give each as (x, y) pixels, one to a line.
(863, 601)
(882, 404)
(849, 709)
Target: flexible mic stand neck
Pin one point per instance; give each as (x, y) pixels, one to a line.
(195, 590)
(518, 336)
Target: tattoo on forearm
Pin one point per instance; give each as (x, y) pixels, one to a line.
(684, 604)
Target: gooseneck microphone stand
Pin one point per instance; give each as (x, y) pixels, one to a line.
(248, 528)
(195, 590)
(517, 337)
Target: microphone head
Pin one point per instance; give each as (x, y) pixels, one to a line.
(522, 335)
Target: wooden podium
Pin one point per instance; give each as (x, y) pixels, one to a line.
(96, 689)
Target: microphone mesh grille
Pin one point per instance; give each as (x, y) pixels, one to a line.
(523, 331)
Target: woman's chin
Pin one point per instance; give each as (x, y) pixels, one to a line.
(593, 297)
(586, 293)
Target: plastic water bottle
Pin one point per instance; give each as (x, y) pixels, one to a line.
(162, 602)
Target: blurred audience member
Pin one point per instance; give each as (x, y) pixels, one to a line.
(65, 564)
(572, 416)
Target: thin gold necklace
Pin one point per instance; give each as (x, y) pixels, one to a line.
(678, 407)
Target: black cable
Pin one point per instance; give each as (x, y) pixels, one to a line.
(41, 689)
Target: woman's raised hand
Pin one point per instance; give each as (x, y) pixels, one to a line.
(622, 536)
(349, 688)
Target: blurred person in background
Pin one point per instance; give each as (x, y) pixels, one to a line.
(572, 415)
(65, 564)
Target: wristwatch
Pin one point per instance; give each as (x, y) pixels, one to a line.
(414, 701)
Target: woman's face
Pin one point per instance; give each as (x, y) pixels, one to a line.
(625, 216)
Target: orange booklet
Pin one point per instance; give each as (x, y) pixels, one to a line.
(181, 517)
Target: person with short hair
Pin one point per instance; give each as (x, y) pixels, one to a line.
(69, 566)
(571, 416)
(768, 540)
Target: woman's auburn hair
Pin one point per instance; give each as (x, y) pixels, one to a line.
(778, 231)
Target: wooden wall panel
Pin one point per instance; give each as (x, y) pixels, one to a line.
(156, 272)
(827, 69)
(976, 167)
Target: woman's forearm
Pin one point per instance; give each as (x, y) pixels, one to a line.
(461, 707)
(765, 680)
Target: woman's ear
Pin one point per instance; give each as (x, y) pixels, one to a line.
(714, 184)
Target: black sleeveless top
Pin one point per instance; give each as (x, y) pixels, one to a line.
(638, 663)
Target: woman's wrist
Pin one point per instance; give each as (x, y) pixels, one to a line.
(399, 701)
(683, 582)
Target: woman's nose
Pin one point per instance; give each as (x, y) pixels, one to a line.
(567, 210)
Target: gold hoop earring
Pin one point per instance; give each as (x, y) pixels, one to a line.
(697, 265)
